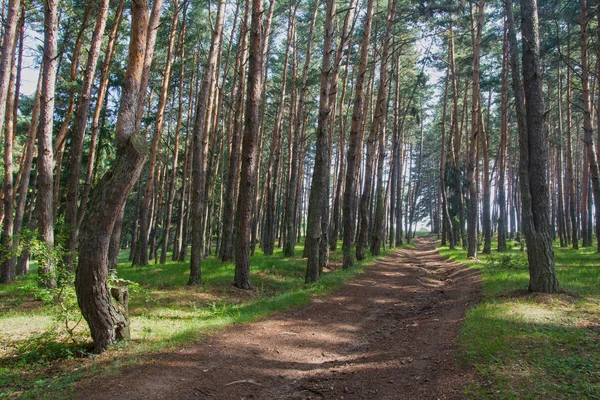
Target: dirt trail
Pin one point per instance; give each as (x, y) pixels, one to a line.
(391, 333)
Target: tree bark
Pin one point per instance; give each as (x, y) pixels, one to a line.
(111, 49)
(533, 149)
(45, 198)
(355, 145)
(145, 223)
(199, 149)
(502, 218)
(318, 199)
(107, 321)
(379, 123)
(7, 259)
(251, 130)
(472, 223)
(270, 226)
(233, 176)
(77, 135)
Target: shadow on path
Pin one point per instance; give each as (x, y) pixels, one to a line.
(391, 333)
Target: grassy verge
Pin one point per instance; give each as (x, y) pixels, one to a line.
(38, 361)
(534, 346)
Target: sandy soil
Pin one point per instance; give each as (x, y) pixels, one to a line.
(391, 333)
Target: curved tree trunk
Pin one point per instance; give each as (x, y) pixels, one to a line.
(108, 321)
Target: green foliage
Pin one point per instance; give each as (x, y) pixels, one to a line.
(503, 261)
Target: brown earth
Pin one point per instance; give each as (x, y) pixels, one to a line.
(391, 333)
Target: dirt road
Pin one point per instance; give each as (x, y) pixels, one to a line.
(391, 333)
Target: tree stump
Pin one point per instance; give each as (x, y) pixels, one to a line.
(120, 295)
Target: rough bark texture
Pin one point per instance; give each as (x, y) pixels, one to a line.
(354, 145)
(377, 237)
(77, 135)
(107, 321)
(533, 149)
(199, 149)
(250, 141)
(320, 180)
(45, 159)
(270, 225)
(502, 217)
(587, 117)
(472, 186)
(233, 176)
(7, 259)
(145, 214)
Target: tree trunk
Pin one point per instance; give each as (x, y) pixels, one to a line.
(270, 227)
(108, 322)
(45, 198)
(250, 141)
(233, 176)
(145, 224)
(533, 149)
(380, 120)
(7, 259)
(502, 148)
(476, 31)
(355, 145)
(446, 220)
(77, 135)
(318, 188)
(199, 148)
(111, 49)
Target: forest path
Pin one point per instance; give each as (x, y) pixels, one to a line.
(391, 333)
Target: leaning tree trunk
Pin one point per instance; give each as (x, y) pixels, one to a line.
(533, 149)
(250, 141)
(111, 49)
(107, 320)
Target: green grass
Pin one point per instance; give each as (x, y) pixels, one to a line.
(534, 346)
(36, 362)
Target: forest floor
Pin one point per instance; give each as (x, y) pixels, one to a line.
(390, 333)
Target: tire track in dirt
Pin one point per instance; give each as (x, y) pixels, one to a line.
(391, 333)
